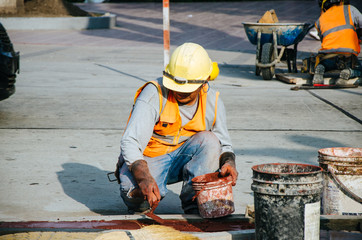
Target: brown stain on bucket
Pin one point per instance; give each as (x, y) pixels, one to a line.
(214, 195)
(345, 160)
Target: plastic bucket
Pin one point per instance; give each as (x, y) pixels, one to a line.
(214, 195)
(287, 201)
(342, 188)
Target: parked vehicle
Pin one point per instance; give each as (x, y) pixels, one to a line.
(9, 65)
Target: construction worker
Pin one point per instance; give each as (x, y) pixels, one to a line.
(176, 131)
(337, 28)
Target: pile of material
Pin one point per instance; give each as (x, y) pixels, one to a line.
(269, 17)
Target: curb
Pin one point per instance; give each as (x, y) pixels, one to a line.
(59, 23)
(347, 227)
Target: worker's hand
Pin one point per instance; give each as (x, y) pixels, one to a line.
(146, 182)
(228, 167)
(150, 191)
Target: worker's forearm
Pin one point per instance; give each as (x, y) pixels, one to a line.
(140, 170)
(227, 157)
(146, 182)
(228, 167)
(220, 128)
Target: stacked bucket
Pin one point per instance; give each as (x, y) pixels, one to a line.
(342, 191)
(289, 197)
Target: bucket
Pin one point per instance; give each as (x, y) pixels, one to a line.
(214, 195)
(342, 188)
(287, 201)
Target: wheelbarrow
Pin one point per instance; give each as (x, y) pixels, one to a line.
(267, 37)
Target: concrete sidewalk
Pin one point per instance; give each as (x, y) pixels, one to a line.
(60, 131)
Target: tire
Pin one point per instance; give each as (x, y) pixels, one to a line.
(9, 65)
(267, 56)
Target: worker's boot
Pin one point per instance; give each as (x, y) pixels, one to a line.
(346, 74)
(318, 74)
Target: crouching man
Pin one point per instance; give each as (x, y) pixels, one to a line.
(338, 26)
(176, 131)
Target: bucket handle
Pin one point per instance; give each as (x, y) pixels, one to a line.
(198, 193)
(343, 187)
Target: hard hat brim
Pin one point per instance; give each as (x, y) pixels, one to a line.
(185, 88)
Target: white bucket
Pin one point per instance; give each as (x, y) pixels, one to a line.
(342, 188)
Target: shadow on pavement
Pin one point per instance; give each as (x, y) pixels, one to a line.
(213, 25)
(89, 185)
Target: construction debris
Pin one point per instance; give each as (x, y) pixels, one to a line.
(250, 211)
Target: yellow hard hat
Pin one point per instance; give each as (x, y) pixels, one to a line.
(189, 67)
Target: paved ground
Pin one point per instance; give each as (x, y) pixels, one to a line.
(60, 132)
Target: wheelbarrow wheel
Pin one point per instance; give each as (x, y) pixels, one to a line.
(267, 56)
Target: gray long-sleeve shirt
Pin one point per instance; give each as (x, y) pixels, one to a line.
(146, 114)
(356, 16)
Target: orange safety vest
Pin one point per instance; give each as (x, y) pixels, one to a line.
(337, 31)
(168, 134)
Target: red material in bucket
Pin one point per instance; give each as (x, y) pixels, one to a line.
(214, 195)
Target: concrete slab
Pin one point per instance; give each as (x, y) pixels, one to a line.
(60, 131)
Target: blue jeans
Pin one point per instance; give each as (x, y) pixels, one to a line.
(340, 63)
(197, 156)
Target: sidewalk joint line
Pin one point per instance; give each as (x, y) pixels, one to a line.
(230, 129)
(336, 107)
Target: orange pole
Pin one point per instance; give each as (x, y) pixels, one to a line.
(166, 32)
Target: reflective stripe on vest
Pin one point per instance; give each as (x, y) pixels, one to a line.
(337, 31)
(168, 135)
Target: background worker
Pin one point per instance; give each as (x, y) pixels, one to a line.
(337, 28)
(176, 131)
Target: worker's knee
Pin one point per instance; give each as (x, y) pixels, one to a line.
(207, 139)
(206, 153)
